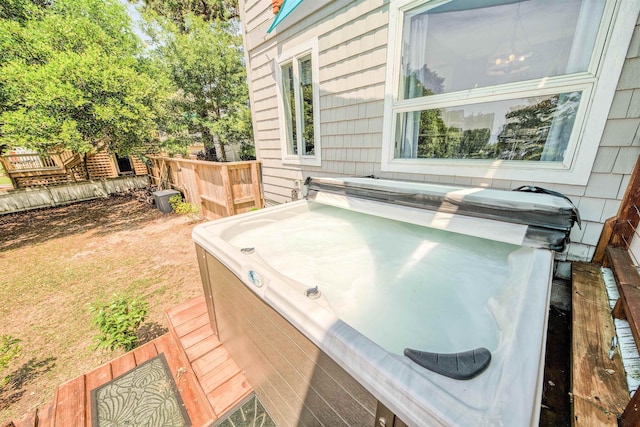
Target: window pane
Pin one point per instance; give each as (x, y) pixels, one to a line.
(535, 129)
(461, 45)
(306, 89)
(289, 101)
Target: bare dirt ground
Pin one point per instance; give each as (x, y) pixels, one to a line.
(55, 262)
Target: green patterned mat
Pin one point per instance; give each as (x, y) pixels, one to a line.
(146, 396)
(251, 413)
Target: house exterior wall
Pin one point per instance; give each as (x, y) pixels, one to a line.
(352, 55)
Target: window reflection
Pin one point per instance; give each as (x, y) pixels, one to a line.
(534, 129)
(289, 100)
(306, 90)
(456, 46)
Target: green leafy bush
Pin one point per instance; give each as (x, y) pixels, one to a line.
(183, 208)
(9, 349)
(118, 321)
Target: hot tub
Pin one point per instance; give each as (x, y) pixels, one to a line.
(364, 269)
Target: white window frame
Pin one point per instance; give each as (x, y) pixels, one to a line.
(598, 86)
(291, 56)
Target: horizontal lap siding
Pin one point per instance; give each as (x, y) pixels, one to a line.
(352, 56)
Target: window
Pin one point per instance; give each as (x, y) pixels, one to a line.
(124, 165)
(296, 76)
(501, 88)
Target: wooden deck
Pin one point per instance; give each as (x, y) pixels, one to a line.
(208, 379)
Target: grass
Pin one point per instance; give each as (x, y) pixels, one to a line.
(56, 262)
(4, 179)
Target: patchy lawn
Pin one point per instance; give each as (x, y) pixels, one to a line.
(55, 262)
(4, 178)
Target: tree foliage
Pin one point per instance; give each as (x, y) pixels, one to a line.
(178, 11)
(205, 63)
(72, 77)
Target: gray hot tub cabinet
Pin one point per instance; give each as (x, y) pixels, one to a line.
(298, 383)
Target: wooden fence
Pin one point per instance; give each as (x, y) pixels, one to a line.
(219, 189)
(61, 194)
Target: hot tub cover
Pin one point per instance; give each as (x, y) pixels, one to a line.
(548, 216)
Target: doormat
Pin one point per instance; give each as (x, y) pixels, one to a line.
(250, 413)
(146, 396)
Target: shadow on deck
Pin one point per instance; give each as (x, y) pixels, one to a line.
(209, 381)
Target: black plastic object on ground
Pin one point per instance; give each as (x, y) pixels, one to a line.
(460, 366)
(162, 199)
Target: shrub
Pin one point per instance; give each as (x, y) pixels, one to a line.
(118, 321)
(183, 208)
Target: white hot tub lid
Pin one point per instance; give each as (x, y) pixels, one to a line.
(548, 216)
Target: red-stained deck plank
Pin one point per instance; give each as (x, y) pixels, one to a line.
(196, 336)
(229, 393)
(94, 379)
(123, 364)
(192, 324)
(203, 347)
(99, 376)
(146, 352)
(185, 306)
(210, 361)
(28, 420)
(195, 401)
(46, 414)
(70, 404)
(222, 373)
(184, 311)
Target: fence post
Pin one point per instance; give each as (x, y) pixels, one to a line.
(231, 207)
(196, 172)
(256, 184)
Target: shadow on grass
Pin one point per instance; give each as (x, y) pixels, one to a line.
(105, 216)
(13, 390)
(149, 332)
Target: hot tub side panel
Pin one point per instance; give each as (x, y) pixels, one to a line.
(296, 381)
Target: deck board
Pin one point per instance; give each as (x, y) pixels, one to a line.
(210, 360)
(195, 336)
(598, 383)
(45, 415)
(123, 364)
(145, 352)
(192, 324)
(222, 373)
(218, 375)
(184, 312)
(29, 420)
(228, 394)
(202, 347)
(70, 404)
(195, 402)
(94, 379)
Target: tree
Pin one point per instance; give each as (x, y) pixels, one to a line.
(178, 10)
(72, 77)
(473, 142)
(205, 63)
